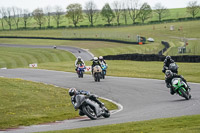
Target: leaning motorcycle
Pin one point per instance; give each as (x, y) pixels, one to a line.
(104, 67)
(90, 108)
(80, 70)
(179, 87)
(97, 73)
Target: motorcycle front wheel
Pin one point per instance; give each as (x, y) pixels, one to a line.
(185, 94)
(89, 111)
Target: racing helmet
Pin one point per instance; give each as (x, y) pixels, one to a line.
(95, 59)
(169, 74)
(79, 58)
(72, 91)
(168, 57)
(100, 57)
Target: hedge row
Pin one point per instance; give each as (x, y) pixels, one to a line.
(152, 57)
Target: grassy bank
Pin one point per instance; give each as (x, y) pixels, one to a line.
(96, 47)
(27, 103)
(159, 32)
(22, 57)
(184, 124)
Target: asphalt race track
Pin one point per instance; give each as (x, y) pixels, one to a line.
(142, 99)
(75, 51)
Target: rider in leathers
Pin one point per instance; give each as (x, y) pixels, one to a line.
(169, 75)
(79, 61)
(95, 62)
(168, 60)
(73, 93)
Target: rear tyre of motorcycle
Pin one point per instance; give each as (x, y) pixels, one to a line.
(87, 110)
(184, 94)
(103, 75)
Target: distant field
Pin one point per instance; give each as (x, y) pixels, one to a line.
(22, 57)
(173, 14)
(96, 47)
(159, 32)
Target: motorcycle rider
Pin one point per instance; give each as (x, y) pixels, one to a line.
(101, 60)
(169, 75)
(95, 62)
(79, 61)
(168, 60)
(73, 93)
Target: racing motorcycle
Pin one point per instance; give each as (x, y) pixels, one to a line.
(80, 70)
(91, 108)
(179, 87)
(97, 73)
(103, 73)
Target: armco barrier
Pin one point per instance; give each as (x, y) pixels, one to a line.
(152, 57)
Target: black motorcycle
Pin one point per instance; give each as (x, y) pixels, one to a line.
(91, 108)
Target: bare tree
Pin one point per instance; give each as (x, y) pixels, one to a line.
(38, 15)
(145, 12)
(161, 11)
(193, 8)
(26, 16)
(48, 13)
(7, 13)
(74, 12)
(107, 13)
(17, 12)
(57, 15)
(2, 17)
(125, 11)
(133, 8)
(117, 7)
(91, 12)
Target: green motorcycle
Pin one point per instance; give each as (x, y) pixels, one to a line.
(179, 87)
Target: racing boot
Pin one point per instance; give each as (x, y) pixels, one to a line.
(172, 91)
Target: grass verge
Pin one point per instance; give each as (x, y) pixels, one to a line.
(27, 103)
(184, 124)
(136, 69)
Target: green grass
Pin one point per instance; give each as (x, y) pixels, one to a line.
(22, 57)
(190, 30)
(96, 47)
(27, 103)
(136, 69)
(184, 124)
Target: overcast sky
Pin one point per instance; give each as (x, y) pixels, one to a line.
(33, 4)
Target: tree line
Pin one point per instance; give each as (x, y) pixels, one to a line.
(125, 9)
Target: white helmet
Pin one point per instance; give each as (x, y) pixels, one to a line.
(95, 58)
(100, 57)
